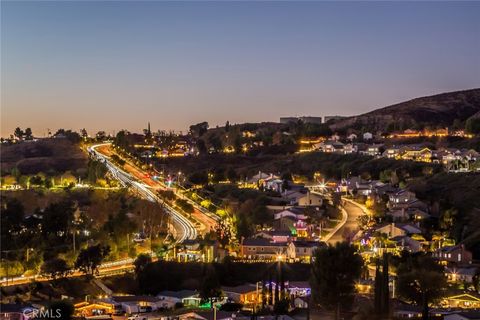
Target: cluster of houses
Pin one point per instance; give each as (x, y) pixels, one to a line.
(295, 231)
(401, 230)
(182, 304)
(449, 157)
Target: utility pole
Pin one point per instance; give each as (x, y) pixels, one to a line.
(128, 243)
(73, 236)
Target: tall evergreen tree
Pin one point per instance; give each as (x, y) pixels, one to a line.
(385, 288)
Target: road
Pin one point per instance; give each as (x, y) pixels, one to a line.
(350, 226)
(184, 227)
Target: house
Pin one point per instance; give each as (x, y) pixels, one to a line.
(91, 309)
(407, 243)
(18, 311)
(393, 230)
(453, 254)
(404, 214)
(391, 153)
(350, 148)
(273, 183)
(299, 288)
(331, 146)
(264, 249)
(303, 250)
(168, 299)
(260, 177)
(463, 315)
(465, 301)
(297, 213)
(416, 153)
(206, 315)
(310, 199)
(193, 250)
(401, 196)
(261, 249)
(367, 136)
(132, 304)
(285, 223)
(461, 275)
(335, 137)
(373, 150)
(352, 136)
(292, 196)
(245, 294)
(275, 235)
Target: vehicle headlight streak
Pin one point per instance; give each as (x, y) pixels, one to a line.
(187, 229)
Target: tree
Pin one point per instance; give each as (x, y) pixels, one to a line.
(57, 219)
(421, 280)
(11, 218)
(90, 258)
(210, 286)
(141, 262)
(55, 268)
(186, 206)
(334, 271)
(119, 226)
(199, 129)
(202, 148)
(215, 142)
(473, 125)
(28, 134)
(382, 293)
(18, 133)
(84, 133)
(223, 233)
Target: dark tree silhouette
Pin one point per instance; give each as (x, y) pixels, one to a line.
(90, 258)
(421, 280)
(334, 271)
(141, 262)
(210, 286)
(55, 268)
(18, 133)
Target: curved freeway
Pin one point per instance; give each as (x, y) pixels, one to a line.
(185, 229)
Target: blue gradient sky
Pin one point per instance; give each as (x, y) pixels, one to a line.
(114, 65)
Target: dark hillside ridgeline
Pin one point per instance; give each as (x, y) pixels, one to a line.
(436, 111)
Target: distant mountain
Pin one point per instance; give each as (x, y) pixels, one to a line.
(437, 111)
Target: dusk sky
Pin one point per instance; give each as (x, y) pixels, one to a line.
(115, 65)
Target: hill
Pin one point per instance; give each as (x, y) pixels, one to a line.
(439, 110)
(44, 155)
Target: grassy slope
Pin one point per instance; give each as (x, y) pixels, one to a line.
(45, 155)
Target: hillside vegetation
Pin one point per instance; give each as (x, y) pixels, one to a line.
(45, 155)
(439, 110)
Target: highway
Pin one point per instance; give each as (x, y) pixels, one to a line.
(184, 227)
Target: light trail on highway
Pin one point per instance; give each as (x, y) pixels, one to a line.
(186, 229)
